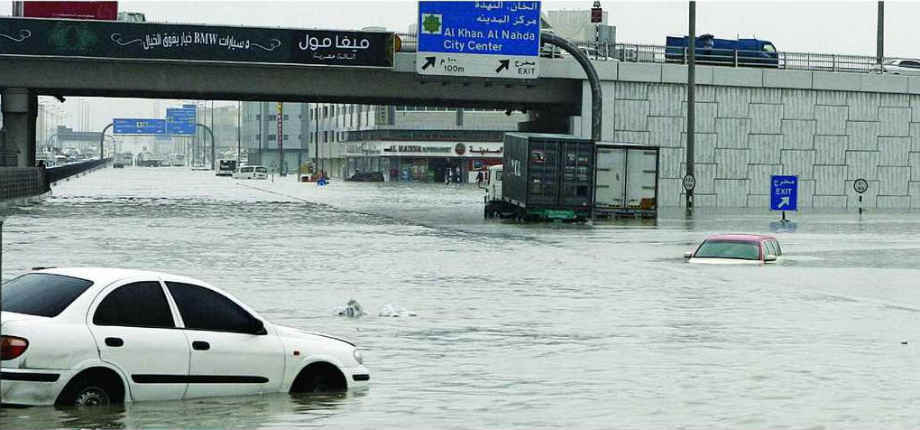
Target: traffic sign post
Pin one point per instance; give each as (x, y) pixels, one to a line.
(860, 186)
(180, 121)
(498, 39)
(784, 193)
(138, 126)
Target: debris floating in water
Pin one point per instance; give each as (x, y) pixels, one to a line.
(395, 311)
(351, 310)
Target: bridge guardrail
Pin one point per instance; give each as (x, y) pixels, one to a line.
(57, 173)
(645, 53)
(19, 182)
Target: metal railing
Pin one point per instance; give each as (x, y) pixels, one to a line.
(19, 182)
(643, 53)
(54, 174)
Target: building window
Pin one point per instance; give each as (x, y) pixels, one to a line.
(271, 137)
(258, 117)
(325, 111)
(286, 117)
(285, 137)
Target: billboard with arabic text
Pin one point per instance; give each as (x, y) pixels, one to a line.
(147, 41)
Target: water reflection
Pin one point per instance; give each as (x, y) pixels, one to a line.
(279, 409)
(518, 325)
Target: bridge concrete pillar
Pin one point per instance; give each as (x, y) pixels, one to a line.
(20, 110)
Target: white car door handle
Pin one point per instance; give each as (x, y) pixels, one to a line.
(201, 345)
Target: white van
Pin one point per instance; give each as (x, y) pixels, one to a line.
(251, 172)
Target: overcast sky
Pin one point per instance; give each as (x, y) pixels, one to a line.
(847, 27)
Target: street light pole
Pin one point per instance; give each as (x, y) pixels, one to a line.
(280, 122)
(691, 105)
(261, 132)
(239, 130)
(880, 48)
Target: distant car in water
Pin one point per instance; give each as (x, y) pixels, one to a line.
(226, 167)
(900, 67)
(736, 249)
(99, 336)
(251, 172)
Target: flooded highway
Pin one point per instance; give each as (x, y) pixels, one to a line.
(516, 326)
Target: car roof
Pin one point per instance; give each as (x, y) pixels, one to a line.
(102, 276)
(744, 237)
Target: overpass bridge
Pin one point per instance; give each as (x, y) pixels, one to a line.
(828, 127)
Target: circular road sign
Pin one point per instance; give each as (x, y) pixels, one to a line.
(860, 185)
(689, 182)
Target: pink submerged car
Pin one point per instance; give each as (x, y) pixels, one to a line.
(736, 249)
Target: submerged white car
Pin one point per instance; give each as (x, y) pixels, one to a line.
(97, 336)
(251, 172)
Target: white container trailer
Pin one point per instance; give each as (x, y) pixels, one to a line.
(627, 180)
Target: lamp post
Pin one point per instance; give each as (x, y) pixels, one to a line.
(239, 131)
(280, 120)
(880, 30)
(691, 107)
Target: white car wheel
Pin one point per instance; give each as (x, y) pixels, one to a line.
(92, 396)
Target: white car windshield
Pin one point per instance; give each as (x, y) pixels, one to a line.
(728, 249)
(261, 170)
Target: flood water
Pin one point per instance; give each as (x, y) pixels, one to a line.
(516, 326)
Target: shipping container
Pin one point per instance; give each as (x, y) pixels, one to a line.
(627, 180)
(548, 176)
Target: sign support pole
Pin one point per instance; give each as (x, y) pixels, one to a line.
(593, 80)
(102, 139)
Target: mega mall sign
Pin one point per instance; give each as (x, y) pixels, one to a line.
(147, 41)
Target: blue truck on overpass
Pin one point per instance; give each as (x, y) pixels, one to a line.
(729, 52)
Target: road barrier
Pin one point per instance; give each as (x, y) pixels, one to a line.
(58, 173)
(644, 53)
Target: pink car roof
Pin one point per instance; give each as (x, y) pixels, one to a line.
(741, 237)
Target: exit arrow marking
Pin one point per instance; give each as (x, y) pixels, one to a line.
(505, 64)
(783, 201)
(429, 62)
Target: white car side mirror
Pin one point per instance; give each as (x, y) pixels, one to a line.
(688, 254)
(769, 257)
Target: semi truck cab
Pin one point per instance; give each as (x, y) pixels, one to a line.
(495, 206)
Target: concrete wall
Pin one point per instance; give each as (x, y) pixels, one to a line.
(827, 128)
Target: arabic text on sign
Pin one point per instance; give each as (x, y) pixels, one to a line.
(343, 42)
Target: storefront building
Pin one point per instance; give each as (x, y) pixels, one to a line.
(410, 143)
(423, 161)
